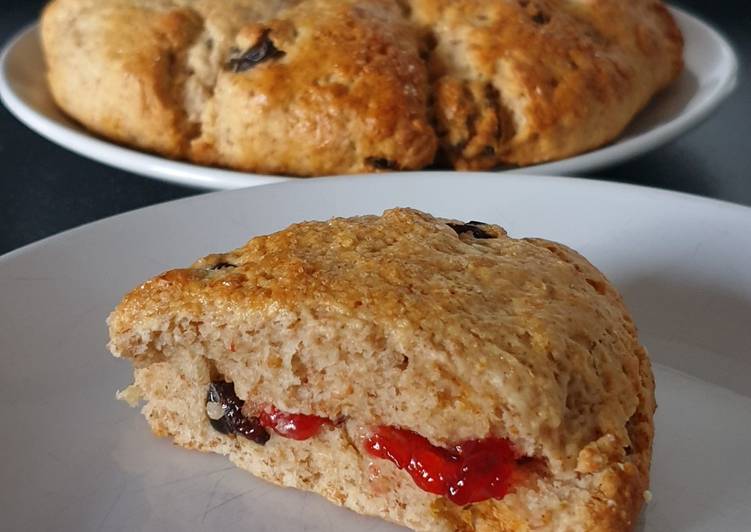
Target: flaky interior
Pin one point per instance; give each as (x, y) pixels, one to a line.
(333, 464)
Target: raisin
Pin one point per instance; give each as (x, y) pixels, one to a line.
(233, 421)
(540, 18)
(222, 265)
(381, 163)
(263, 50)
(252, 429)
(471, 227)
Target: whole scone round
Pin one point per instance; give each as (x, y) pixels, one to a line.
(452, 331)
(318, 87)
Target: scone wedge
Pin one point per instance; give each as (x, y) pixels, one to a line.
(438, 374)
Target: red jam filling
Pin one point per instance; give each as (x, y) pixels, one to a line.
(294, 426)
(470, 471)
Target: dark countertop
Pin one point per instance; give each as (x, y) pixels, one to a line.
(45, 189)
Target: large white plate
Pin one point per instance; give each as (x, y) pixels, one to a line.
(73, 458)
(710, 75)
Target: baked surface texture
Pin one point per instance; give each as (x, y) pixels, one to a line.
(315, 87)
(402, 320)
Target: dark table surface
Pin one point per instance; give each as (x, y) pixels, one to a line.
(45, 189)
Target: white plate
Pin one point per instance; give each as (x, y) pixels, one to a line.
(710, 75)
(76, 459)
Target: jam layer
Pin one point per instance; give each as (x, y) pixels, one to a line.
(468, 472)
(294, 426)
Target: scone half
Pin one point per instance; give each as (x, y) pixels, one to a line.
(438, 374)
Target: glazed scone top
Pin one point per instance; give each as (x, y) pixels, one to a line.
(347, 91)
(401, 320)
(362, 85)
(523, 81)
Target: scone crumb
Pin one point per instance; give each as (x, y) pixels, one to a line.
(647, 496)
(131, 395)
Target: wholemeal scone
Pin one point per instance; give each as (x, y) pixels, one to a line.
(439, 374)
(314, 87)
(302, 88)
(526, 81)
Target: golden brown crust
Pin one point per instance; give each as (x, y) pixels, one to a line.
(345, 92)
(359, 86)
(122, 85)
(349, 95)
(523, 82)
(453, 331)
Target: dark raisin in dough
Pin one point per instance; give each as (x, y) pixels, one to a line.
(381, 163)
(540, 18)
(222, 265)
(471, 227)
(233, 421)
(261, 51)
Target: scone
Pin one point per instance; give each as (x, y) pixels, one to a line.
(281, 86)
(518, 82)
(314, 87)
(439, 374)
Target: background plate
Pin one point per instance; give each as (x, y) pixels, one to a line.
(709, 76)
(76, 459)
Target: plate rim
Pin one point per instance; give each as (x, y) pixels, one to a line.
(186, 173)
(512, 179)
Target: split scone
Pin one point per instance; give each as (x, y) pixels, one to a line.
(314, 87)
(438, 374)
